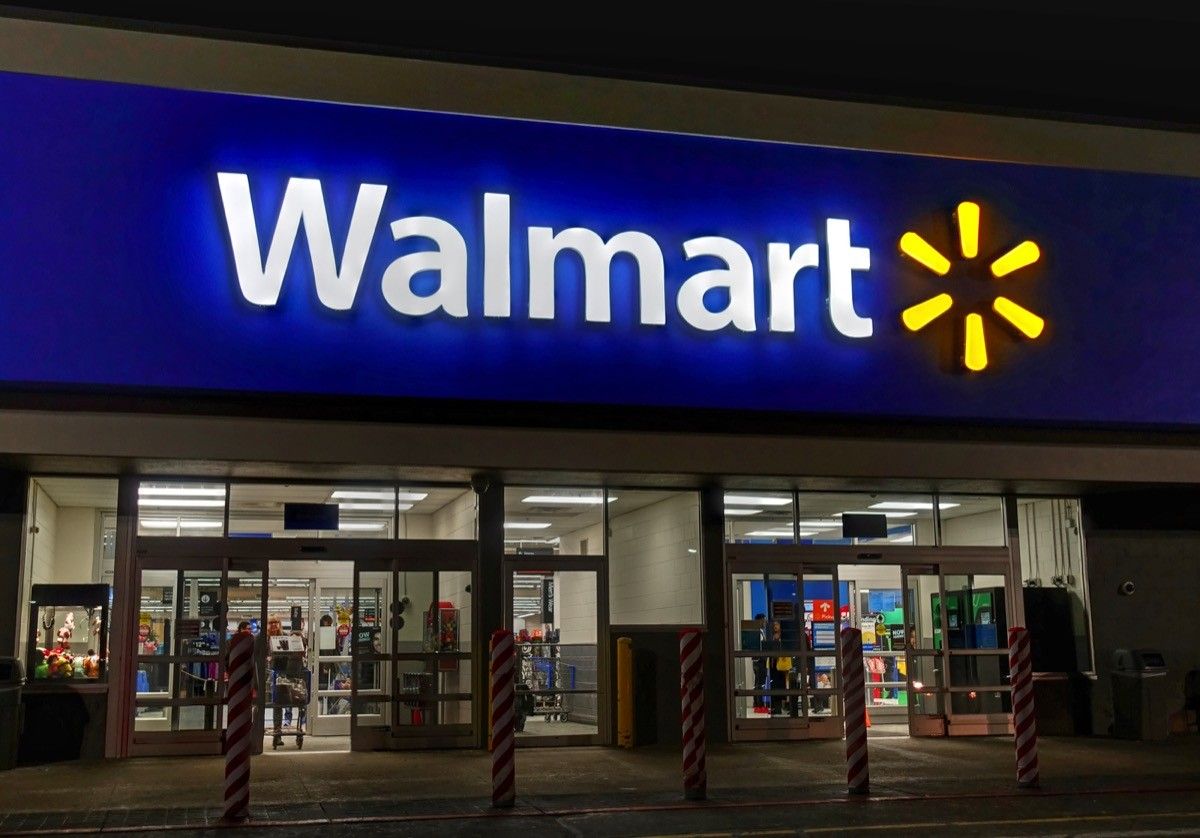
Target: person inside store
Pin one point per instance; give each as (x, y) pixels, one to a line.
(760, 664)
(781, 671)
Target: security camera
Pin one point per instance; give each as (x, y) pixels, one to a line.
(480, 483)
(1126, 588)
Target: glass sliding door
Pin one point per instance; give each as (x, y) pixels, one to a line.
(558, 613)
(785, 661)
(412, 653)
(187, 611)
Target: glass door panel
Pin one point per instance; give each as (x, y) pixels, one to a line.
(924, 661)
(556, 622)
(876, 603)
(977, 641)
(370, 643)
(334, 661)
(826, 611)
(411, 655)
(752, 638)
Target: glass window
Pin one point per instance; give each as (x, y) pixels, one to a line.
(175, 508)
(300, 510)
(863, 518)
(554, 521)
(972, 520)
(437, 512)
(1054, 575)
(759, 517)
(70, 526)
(654, 558)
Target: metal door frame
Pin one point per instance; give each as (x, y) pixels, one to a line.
(941, 561)
(598, 565)
(175, 742)
(418, 557)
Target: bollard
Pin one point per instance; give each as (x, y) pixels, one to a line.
(1020, 674)
(625, 692)
(503, 715)
(854, 702)
(691, 700)
(240, 702)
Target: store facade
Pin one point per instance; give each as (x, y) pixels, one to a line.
(377, 369)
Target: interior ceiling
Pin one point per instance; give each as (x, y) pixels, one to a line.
(1109, 62)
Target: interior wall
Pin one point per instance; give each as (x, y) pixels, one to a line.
(983, 529)
(456, 519)
(1166, 574)
(654, 564)
(572, 543)
(78, 539)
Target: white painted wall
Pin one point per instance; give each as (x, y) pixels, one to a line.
(456, 519)
(653, 578)
(575, 606)
(572, 543)
(983, 529)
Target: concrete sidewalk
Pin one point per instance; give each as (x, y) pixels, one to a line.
(304, 787)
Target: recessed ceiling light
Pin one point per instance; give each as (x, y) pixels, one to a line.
(733, 510)
(182, 491)
(825, 524)
(374, 507)
(167, 524)
(566, 500)
(756, 500)
(525, 525)
(352, 526)
(877, 512)
(905, 504)
(362, 494)
(193, 503)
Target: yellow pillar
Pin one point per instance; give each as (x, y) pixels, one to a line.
(625, 692)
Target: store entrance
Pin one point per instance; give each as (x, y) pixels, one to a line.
(558, 611)
(368, 647)
(787, 607)
(412, 651)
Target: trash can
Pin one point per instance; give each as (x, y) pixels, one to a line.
(1141, 701)
(12, 678)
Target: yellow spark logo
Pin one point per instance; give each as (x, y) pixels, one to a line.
(919, 316)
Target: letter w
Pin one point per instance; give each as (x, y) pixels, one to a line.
(303, 203)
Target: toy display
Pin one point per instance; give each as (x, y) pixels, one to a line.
(62, 645)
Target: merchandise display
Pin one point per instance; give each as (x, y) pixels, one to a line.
(68, 637)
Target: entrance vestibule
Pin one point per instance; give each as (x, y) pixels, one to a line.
(934, 630)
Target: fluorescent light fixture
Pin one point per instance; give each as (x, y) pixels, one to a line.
(825, 524)
(531, 540)
(755, 500)
(906, 504)
(877, 512)
(359, 494)
(526, 525)
(373, 507)
(568, 500)
(167, 524)
(902, 539)
(182, 491)
(692, 550)
(770, 534)
(355, 526)
(733, 510)
(523, 616)
(191, 503)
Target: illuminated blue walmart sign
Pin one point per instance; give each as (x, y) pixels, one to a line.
(212, 242)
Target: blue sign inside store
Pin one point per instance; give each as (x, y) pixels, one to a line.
(196, 241)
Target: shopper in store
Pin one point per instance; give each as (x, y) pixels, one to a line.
(760, 664)
(781, 669)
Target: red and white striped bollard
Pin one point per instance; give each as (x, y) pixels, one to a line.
(854, 701)
(1020, 673)
(691, 701)
(240, 702)
(504, 771)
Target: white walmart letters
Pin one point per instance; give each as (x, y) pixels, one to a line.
(337, 284)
